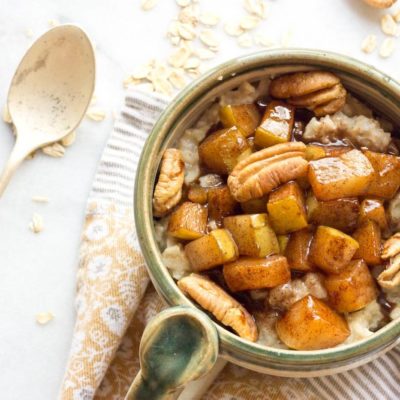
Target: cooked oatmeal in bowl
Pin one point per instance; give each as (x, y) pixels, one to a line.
(277, 211)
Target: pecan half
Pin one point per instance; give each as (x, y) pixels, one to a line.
(390, 277)
(319, 91)
(266, 169)
(380, 3)
(168, 191)
(224, 307)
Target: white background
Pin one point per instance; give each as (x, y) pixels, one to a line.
(37, 272)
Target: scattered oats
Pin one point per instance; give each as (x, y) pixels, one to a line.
(147, 5)
(53, 23)
(387, 48)
(204, 54)
(233, 29)
(208, 37)
(249, 22)
(96, 114)
(193, 73)
(175, 40)
(173, 28)
(245, 40)
(36, 225)
(192, 63)
(29, 33)
(177, 78)
(43, 318)
(179, 57)
(162, 85)
(40, 199)
(186, 31)
(6, 115)
(287, 39)
(256, 7)
(183, 3)
(389, 26)
(55, 150)
(209, 19)
(263, 40)
(189, 15)
(130, 81)
(141, 72)
(396, 15)
(368, 45)
(69, 139)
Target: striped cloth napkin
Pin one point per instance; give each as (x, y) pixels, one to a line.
(115, 299)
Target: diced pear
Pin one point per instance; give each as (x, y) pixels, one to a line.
(254, 206)
(297, 250)
(347, 175)
(314, 152)
(352, 289)
(244, 116)
(222, 150)
(197, 194)
(283, 241)
(211, 250)
(248, 273)
(252, 234)
(341, 214)
(276, 125)
(220, 203)
(310, 324)
(386, 180)
(374, 210)
(332, 250)
(368, 236)
(286, 209)
(188, 222)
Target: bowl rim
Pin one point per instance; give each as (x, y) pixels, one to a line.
(232, 346)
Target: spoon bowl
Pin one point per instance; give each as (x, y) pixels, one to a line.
(50, 91)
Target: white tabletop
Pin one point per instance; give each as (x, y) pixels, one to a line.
(37, 272)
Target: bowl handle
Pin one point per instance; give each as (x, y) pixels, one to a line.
(179, 345)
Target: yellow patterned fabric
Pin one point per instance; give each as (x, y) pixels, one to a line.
(115, 300)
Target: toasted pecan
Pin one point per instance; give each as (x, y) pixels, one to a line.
(224, 307)
(266, 169)
(168, 191)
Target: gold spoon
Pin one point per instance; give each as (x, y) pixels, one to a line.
(50, 92)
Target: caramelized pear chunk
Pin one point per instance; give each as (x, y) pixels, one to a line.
(347, 175)
(340, 214)
(368, 236)
(332, 250)
(374, 210)
(244, 116)
(209, 251)
(297, 250)
(188, 222)
(351, 289)
(252, 234)
(248, 273)
(222, 150)
(386, 180)
(286, 209)
(276, 124)
(220, 203)
(310, 324)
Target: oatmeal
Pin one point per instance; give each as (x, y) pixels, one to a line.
(278, 213)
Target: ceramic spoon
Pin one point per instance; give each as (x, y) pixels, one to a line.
(179, 345)
(50, 92)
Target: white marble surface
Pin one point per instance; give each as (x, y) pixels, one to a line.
(37, 272)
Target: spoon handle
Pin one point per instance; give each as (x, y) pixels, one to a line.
(18, 154)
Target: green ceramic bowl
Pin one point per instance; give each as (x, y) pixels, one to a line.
(371, 85)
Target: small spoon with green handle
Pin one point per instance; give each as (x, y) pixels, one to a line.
(50, 92)
(179, 345)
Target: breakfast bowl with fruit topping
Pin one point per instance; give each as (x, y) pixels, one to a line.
(268, 196)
